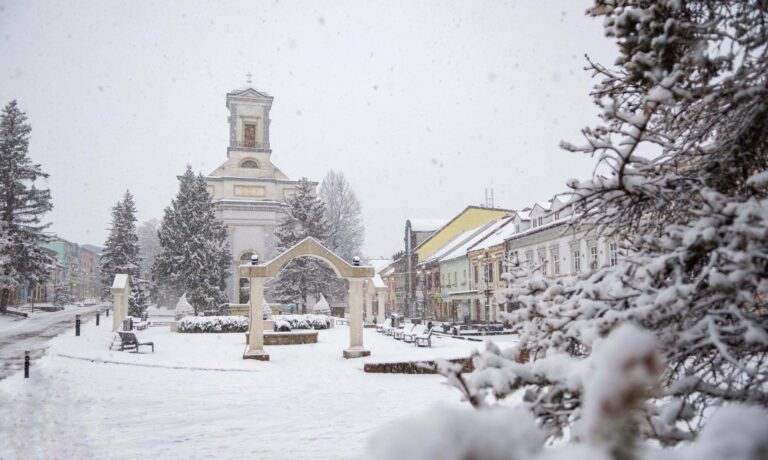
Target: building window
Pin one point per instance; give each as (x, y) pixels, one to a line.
(464, 279)
(249, 164)
(576, 259)
(249, 135)
(613, 254)
(529, 258)
(554, 254)
(477, 274)
(517, 228)
(543, 261)
(500, 268)
(540, 221)
(593, 263)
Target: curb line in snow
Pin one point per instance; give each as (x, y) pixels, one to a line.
(159, 366)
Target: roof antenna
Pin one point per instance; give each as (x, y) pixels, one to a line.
(489, 197)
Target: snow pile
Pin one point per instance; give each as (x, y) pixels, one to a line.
(183, 308)
(455, 434)
(212, 324)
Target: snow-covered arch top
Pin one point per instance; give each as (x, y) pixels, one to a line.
(308, 247)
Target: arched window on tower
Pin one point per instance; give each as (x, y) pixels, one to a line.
(249, 164)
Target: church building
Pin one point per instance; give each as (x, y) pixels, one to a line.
(248, 189)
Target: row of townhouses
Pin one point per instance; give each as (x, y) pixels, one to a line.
(75, 266)
(454, 270)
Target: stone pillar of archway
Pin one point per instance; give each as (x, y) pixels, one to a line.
(356, 299)
(370, 292)
(121, 290)
(381, 295)
(256, 322)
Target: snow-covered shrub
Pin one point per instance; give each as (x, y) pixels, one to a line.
(183, 308)
(304, 321)
(213, 324)
(282, 325)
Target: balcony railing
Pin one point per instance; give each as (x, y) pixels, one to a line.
(250, 145)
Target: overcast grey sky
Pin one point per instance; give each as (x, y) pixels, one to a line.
(421, 104)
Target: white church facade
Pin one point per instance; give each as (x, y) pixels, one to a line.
(248, 189)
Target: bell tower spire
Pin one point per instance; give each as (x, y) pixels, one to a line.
(249, 119)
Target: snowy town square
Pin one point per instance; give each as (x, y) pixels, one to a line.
(386, 230)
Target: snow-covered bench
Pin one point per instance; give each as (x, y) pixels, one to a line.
(129, 340)
(424, 339)
(398, 334)
(410, 336)
(384, 326)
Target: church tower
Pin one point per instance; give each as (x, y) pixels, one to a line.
(248, 188)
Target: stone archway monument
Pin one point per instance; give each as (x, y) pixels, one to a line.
(258, 274)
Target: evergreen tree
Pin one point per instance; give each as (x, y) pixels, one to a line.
(121, 252)
(22, 206)
(304, 276)
(194, 255)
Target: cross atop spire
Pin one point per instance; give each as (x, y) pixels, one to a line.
(249, 75)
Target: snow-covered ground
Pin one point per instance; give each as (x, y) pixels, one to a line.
(196, 397)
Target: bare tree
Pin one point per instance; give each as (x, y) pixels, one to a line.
(343, 215)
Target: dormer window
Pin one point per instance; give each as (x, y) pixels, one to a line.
(249, 164)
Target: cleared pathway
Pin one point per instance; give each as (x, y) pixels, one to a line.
(34, 332)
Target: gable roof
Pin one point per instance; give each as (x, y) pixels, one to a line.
(464, 211)
(487, 230)
(455, 242)
(497, 236)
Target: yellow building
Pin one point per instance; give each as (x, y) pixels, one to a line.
(471, 217)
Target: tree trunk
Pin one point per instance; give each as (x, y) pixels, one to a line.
(4, 300)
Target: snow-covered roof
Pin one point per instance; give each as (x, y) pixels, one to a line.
(500, 235)
(456, 241)
(378, 282)
(484, 232)
(554, 223)
(379, 264)
(427, 225)
(524, 215)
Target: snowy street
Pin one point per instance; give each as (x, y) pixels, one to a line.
(196, 397)
(33, 333)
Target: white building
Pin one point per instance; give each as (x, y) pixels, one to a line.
(248, 188)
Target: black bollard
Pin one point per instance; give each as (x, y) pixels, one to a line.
(97, 318)
(107, 312)
(26, 364)
(77, 325)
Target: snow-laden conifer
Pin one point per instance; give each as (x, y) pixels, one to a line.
(303, 277)
(22, 206)
(194, 258)
(121, 253)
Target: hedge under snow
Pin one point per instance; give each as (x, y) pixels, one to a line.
(212, 324)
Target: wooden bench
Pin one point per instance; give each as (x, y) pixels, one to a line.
(129, 340)
(424, 340)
